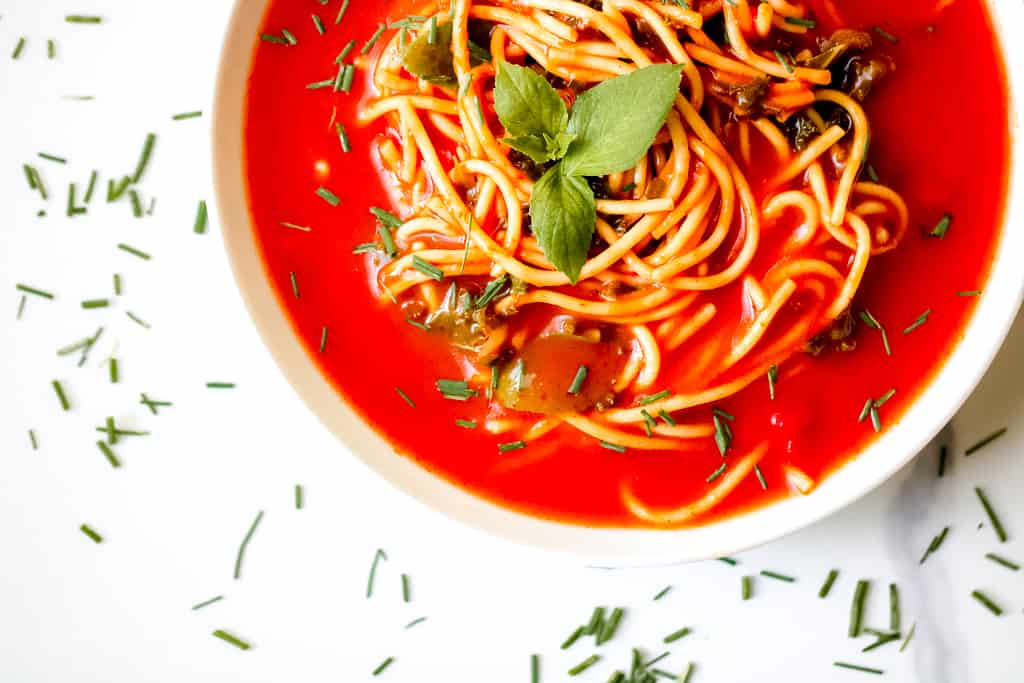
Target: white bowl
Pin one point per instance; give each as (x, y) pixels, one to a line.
(901, 443)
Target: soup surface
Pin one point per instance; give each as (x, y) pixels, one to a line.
(938, 138)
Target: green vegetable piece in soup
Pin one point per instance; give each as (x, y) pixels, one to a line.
(538, 378)
(432, 61)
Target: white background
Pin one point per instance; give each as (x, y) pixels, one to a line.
(174, 515)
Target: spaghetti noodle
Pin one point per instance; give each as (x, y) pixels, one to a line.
(730, 244)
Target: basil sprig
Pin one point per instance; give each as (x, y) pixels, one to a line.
(611, 127)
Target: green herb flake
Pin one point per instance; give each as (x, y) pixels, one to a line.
(988, 603)
(377, 557)
(584, 665)
(245, 544)
(997, 524)
(857, 667)
(328, 196)
(207, 603)
(231, 640)
(985, 441)
(91, 533)
(1000, 560)
(62, 397)
(830, 581)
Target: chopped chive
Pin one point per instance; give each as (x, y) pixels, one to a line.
(729, 561)
(973, 292)
(137, 320)
(857, 608)
(373, 40)
(830, 581)
(492, 291)
(300, 497)
(346, 144)
(348, 75)
(613, 447)
(717, 473)
(942, 227)
(154, 406)
(231, 640)
(61, 396)
(456, 390)
(51, 157)
(578, 380)
(584, 665)
(95, 303)
(432, 31)
(366, 248)
(610, 626)
(657, 659)
(21, 305)
(654, 398)
(493, 386)
(777, 576)
(784, 62)
(687, 674)
(879, 402)
(319, 24)
(866, 410)
(936, 543)
(989, 604)
(289, 36)
(187, 115)
(115, 371)
(724, 415)
(202, 219)
(93, 177)
(405, 397)
(418, 325)
(427, 268)
(317, 85)
(596, 620)
(341, 12)
(943, 458)
(19, 48)
(108, 454)
(466, 424)
(33, 440)
(910, 635)
(293, 226)
(415, 622)
(746, 587)
(271, 38)
(669, 420)
(134, 252)
(34, 292)
(573, 637)
(984, 442)
(895, 620)
(406, 589)
(760, 477)
(997, 525)
(649, 422)
(662, 593)
(921, 320)
(773, 377)
(220, 385)
(207, 603)
(323, 339)
(245, 544)
(383, 665)
(512, 446)
(328, 196)
(82, 19)
(799, 21)
(876, 419)
(377, 557)
(998, 559)
(857, 667)
(723, 435)
(295, 284)
(345, 50)
(534, 668)
(92, 534)
(147, 152)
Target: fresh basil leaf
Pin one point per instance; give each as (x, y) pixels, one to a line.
(526, 104)
(533, 146)
(616, 122)
(563, 215)
(541, 148)
(433, 61)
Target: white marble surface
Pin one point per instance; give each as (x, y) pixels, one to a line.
(173, 516)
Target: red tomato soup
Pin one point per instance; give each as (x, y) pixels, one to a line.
(939, 138)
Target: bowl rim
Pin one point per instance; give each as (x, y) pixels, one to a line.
(924, 418)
